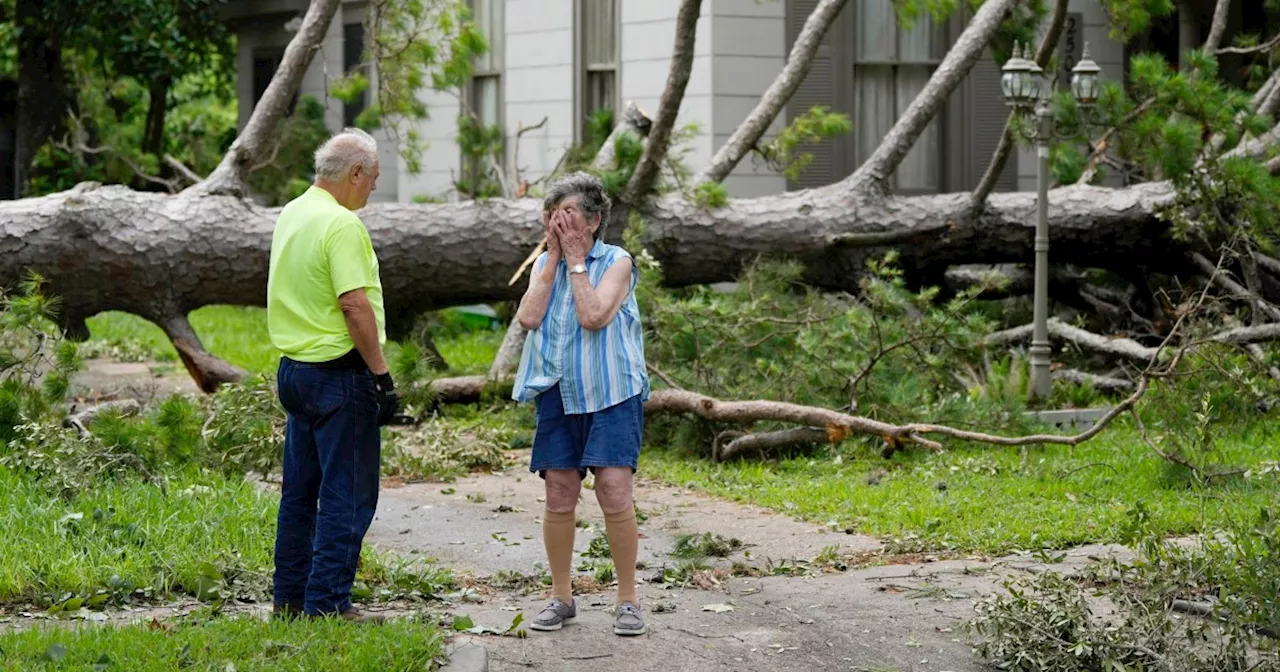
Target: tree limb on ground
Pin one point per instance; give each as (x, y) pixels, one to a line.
(1237, 290)
(1119, 347)
(837, 426)
(111, 248)
(80, 419)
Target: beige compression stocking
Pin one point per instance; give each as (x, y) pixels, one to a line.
(623, 540)
(557, 535)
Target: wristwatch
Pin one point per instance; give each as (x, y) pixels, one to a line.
(578, 268)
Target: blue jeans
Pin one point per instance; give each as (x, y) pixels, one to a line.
(332, 457)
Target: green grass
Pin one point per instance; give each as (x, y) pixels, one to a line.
(241, 643)
(470, 353)
(129, 535)
(989, 499)
(209, 536)
(238, 334)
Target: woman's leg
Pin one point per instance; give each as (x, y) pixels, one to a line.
(614, 492)
(558, 525)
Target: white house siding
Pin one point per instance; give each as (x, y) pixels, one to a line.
(538, 81)
(748, 44)
(648, 37)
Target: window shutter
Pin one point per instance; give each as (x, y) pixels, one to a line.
(352, 58)
(984, 117)
(818, 88)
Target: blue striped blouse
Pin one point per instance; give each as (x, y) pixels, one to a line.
(595, 369)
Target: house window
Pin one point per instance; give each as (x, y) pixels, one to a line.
(890, 67)
(599, 33)
(485, 93)
(265, 63)
(486, 84)
(353, 61)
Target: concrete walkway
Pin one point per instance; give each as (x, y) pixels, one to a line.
(904, 616)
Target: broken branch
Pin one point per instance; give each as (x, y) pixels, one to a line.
(765, 442)
(1239, 291)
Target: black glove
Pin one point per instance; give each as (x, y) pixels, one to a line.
(388, 400)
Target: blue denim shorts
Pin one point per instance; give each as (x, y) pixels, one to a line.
(607, 438)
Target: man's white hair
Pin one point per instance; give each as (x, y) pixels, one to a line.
(339, 154)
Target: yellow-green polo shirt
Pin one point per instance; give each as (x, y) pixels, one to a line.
(319, 251)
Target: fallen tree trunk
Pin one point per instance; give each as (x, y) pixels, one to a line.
(158, 256)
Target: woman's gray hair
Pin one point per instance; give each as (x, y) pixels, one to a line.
(589, 189)
(339, 154)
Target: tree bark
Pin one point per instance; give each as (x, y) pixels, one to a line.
(1218, 27)
(659, 140)
(747, 135)
(158, 256)
(1005, 148)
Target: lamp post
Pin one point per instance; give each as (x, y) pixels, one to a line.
(1026, 90)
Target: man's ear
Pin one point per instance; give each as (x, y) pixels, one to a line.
(356, 171)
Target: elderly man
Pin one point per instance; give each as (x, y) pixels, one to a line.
(325, 315)
(583, 367)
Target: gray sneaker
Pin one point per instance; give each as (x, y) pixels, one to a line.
(629, 620)
(555, 615)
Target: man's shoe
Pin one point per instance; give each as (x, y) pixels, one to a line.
(287, 611)
(629, 620)
(354, 615)
(555, 615)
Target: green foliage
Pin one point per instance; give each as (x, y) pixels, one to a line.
(298, 137)
(1047, 623)
(1166, 136)
(599, 125)
(711, 195)
(148, 40)
(598, 548)
(105, 141)
(705, 545)
(418, 45)
(1066, 163)
(36, 362)
(442, 451)
(1128, 18)
(627, 150)
(148, 78)
(243, 430)
(783, 153)
(481, 151)
(828, 350)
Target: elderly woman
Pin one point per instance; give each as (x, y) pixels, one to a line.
(583, 367)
